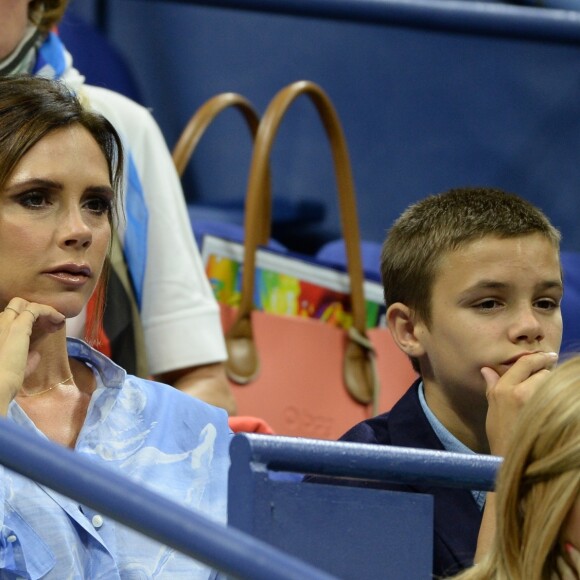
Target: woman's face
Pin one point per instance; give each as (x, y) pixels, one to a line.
(13, 22)
(54, 222)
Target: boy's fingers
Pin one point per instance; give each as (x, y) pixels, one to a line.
(507, 394)
(529, 364)
(525, 375)
(491, 377)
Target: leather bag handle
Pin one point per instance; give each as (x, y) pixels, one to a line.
(243, 361)
(199, 123)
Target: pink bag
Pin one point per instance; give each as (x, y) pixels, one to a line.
(306, 377)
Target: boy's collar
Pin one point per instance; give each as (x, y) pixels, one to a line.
(449, 441)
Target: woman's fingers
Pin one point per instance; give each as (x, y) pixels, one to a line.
(574, 559)
(568, 565)
(563, 570)
(22, 323)
(40, 316)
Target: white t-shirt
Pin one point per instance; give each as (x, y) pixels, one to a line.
(179, 313)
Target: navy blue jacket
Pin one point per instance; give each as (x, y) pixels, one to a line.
(457, 516)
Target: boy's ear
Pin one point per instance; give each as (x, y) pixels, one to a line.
(401, 323)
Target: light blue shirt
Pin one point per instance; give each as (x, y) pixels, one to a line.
(448, 440)
(165, 440)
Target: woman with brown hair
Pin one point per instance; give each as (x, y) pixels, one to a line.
(61, 167)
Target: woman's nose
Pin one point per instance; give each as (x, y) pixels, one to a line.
(75, 231)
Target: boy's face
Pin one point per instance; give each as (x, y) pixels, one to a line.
(493, 300)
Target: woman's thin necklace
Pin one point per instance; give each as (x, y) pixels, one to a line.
(23, 393)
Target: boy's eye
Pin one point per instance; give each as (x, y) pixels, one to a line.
(488, 304)
(547, 304)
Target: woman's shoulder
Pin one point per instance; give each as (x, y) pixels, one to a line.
(164, 399)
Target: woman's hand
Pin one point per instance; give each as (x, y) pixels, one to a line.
(22, 324)
(568, 567)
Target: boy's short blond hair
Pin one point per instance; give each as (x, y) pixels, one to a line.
(441, 223)
(46, 14)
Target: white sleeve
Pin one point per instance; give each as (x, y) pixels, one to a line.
(179, 313)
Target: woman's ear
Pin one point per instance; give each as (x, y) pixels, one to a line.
(404, 329)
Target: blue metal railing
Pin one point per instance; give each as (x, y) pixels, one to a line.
(488, 18)
(223, 548)
(228, 549)
(357, 460)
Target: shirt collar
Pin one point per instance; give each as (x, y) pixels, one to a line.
(111, 374)
(448, 440)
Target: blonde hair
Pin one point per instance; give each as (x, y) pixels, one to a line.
(46, 14)
(538, 482)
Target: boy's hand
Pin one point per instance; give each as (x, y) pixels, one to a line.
(506, 395)
(22, 323)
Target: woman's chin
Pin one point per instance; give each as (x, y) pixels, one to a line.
(70, 312)
(69, 309)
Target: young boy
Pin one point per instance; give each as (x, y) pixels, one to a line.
(472, 286)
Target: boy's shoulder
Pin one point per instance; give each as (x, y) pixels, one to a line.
(405, 425)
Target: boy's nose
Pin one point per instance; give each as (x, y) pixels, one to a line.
(527, 327)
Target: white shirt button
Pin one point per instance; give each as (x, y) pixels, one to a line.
(97, 521)
(11, 538)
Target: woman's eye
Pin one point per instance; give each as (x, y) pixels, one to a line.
(33, 199)
(98, 205)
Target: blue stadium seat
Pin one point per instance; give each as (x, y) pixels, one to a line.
(334, 253)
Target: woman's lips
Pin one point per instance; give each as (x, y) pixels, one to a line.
(69, 278)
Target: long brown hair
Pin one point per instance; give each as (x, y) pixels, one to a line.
(32, 107)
